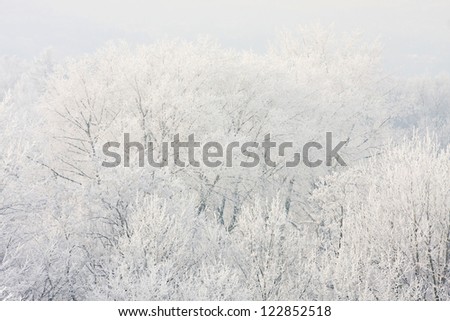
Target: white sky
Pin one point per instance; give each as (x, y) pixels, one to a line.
(416, 34)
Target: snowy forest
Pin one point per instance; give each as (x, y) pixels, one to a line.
(72, 229)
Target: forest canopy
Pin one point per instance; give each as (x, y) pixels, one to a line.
(72, 229)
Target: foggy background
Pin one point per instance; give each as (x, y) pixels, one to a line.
(415, 34)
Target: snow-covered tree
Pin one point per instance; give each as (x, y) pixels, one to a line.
(385, 226)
